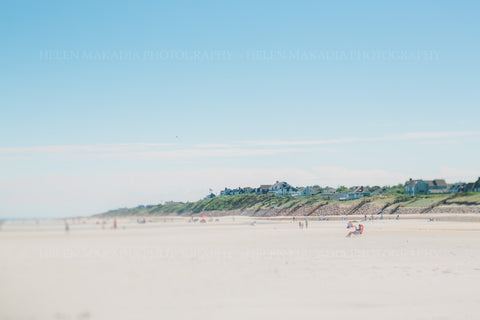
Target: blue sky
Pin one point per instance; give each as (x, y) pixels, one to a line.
(106, 104)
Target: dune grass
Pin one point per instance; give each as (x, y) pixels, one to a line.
(466, 198)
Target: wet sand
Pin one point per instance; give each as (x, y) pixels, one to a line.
(405, 269)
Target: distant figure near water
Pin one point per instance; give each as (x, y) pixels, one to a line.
(115, 224)
(67, 227)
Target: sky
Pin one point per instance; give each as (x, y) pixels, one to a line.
(109, 104)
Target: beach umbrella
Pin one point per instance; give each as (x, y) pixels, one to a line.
(203, 217)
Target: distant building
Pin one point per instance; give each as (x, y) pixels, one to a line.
(457, 187)
(353, 194)
(263, 189)
(233, 192)
(360, 189)
(328, 190)
(282, 189)
(473, 186)
(210, 196)
(437, 186)
(416, 187)
(225, 192)
(349, 196)
(305, 192)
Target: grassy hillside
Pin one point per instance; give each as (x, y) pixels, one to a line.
(466, 198)
(253, 202)
(426, 200)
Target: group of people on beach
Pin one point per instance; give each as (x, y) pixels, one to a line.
(358, 230)
(301, 224)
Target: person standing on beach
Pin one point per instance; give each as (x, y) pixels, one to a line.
(67, 227)
(115, 224)
(306, 223)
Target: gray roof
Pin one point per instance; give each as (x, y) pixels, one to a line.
(436, 183)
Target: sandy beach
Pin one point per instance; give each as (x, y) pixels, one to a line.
(169, 268)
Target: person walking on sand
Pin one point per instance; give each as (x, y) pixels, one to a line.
(306, 223)
(115, 224)
(67, 227)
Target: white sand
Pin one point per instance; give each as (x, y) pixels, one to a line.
(407, 269)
